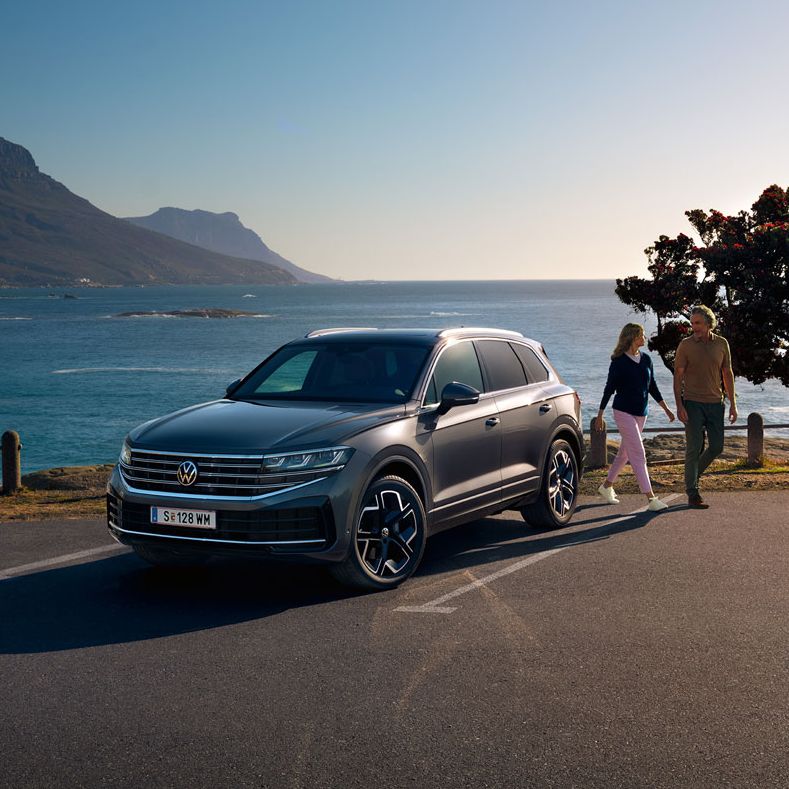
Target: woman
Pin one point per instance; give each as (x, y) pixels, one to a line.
(632, 377)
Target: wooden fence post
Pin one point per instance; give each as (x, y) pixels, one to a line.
(598, 449)
(755, 440)
(12, 464)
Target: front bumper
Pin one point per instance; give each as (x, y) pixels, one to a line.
(308, 522)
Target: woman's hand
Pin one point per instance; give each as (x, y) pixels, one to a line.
(670, 415)
(598, 423)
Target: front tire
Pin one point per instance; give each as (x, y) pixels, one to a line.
(388, 538)
(559, 491)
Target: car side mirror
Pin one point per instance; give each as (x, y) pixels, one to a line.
(231, 387)
(455, 394)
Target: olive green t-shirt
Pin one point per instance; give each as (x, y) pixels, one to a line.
(704, 363)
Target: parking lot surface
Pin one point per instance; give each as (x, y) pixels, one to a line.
(630, 649)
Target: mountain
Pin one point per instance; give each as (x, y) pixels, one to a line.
(220, 233)
(50, 236)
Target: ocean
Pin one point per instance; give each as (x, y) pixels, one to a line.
(74, 378)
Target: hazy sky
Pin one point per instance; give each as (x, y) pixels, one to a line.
(412, 139)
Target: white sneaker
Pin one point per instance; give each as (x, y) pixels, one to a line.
(656, 505)
(608, 494)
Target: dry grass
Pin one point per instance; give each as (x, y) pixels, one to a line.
(722, 475)
(79, 491)
(72, 492)
(729, 472)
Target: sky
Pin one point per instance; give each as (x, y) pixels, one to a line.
(411, 139)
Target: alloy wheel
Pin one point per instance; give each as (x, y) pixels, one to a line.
(561, 483)
(388, 534)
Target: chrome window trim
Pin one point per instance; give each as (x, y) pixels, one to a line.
(551, 377)
(518, 339)
(536, 351)
(216, 540)
(202, 497)
(432, 369)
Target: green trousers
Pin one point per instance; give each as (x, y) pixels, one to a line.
(702, 417)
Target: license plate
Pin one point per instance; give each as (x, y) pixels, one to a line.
(191, 519)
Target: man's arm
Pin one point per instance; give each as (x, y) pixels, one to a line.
(728, 382)
(728, 385)
(679, 377)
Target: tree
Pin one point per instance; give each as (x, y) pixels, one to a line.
(738, 268)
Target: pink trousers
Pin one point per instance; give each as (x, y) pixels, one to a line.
(631, 448)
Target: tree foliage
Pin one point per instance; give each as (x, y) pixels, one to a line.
(738, 268)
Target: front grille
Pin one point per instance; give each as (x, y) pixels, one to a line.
(217, 475)
(283, 525)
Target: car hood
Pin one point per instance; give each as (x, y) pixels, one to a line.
(233, 426)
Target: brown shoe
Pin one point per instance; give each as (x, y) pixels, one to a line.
(696, 502)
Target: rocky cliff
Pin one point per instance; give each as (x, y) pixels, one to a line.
(222, 233)
(50, 236)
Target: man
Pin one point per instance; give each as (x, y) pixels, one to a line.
(702, 361)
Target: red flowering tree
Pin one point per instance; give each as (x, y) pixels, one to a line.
(738, 268)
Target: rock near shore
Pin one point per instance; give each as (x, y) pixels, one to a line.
(201, 312)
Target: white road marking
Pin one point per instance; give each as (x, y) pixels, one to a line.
(34, 567)
(436, 606)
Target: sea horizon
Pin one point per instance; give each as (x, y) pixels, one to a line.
(76, 377)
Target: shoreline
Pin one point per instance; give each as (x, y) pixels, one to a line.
(74, 492)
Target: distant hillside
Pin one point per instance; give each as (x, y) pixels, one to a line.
(50, 236)
(221, 233)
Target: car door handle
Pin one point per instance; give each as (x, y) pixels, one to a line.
(545, 407)
(493, 421)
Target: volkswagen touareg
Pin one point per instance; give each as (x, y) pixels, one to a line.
(350, 447)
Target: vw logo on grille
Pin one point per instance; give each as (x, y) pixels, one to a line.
(187, 473)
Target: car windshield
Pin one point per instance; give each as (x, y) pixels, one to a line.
(362, 372)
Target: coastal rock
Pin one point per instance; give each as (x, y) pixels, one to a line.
(202, 312)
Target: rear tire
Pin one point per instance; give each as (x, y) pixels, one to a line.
(559, 490)
(164, 557)
(388, 537)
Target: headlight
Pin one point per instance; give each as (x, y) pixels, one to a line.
(125, 454)
(311, 460)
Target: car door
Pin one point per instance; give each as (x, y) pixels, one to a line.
(520, 400)
(466, 441)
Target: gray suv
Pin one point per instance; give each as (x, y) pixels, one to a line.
(350, 447)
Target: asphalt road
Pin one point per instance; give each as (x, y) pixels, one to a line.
(628, 650)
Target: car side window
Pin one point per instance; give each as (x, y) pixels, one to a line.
(457, 363)
(503, 367)
(535, 369)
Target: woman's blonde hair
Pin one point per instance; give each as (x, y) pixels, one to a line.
(629, 332)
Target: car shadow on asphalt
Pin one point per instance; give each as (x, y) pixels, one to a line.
(121, 599)
(496, 539)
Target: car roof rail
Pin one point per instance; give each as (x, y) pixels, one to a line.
(464, 331)
(324, 332)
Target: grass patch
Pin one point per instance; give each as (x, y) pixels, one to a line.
(27, 504)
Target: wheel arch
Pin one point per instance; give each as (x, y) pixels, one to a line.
(407, 468)
(566, 431)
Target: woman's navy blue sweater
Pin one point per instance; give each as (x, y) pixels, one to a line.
(633, 382)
